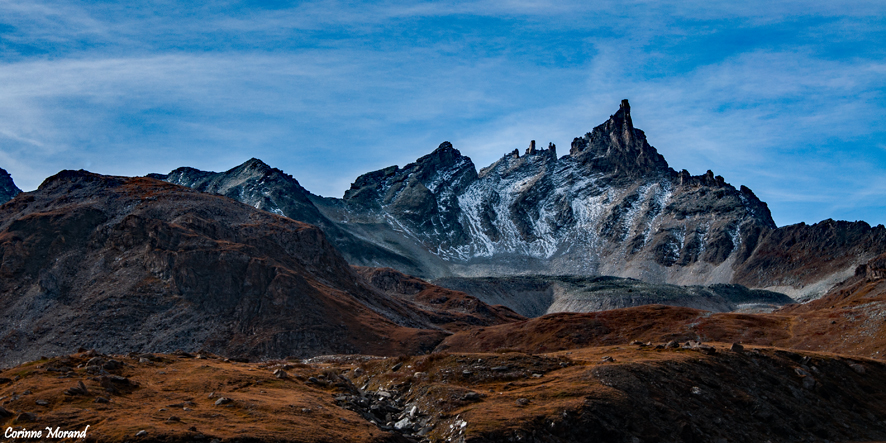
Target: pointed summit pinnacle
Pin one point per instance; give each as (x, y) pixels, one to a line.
(617, 146)
(622, 120)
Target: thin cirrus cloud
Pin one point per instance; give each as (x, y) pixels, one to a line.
(784, 97)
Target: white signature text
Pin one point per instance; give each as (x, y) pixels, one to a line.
(50, 433)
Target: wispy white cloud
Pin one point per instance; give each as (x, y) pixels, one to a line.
(74, 107)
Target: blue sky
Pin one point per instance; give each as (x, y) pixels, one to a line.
(787, 98)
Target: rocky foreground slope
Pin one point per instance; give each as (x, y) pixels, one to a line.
(650, 373)
(136, 264)
(611, 206)
(604, 394)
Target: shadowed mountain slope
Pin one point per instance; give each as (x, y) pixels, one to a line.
(136, 264)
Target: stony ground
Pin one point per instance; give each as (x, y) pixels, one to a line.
(677, 392)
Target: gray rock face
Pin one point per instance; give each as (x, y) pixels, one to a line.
(611, 207)
(8, 189)
(423, 195)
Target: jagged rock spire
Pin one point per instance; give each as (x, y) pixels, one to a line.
(619, 147)
(622, 121)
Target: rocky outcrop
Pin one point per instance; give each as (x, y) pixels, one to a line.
(8, 189)
(873, 270)
(136, 264)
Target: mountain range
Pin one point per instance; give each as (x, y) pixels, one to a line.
(611, 206)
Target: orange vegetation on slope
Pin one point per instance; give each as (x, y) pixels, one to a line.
(173, 398)
(608, 394)
(839, 331)
(850, 319)
(617, 394)
(656, 323)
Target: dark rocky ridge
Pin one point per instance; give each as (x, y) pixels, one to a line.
(612, 206)
(8, 189)
(815, 256)
(261, 186)
(136, 264)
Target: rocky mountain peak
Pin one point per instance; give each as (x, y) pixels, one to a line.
(254, 164)
(71, 179)
(445, 146)
(423, 195)
(616, 146)
(444, 157)
(612, 206)
(622, 124)
(438, 171)
(622, 118)
(8, 189)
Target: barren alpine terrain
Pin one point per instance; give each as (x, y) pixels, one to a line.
(597, 296)
(645, 392)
